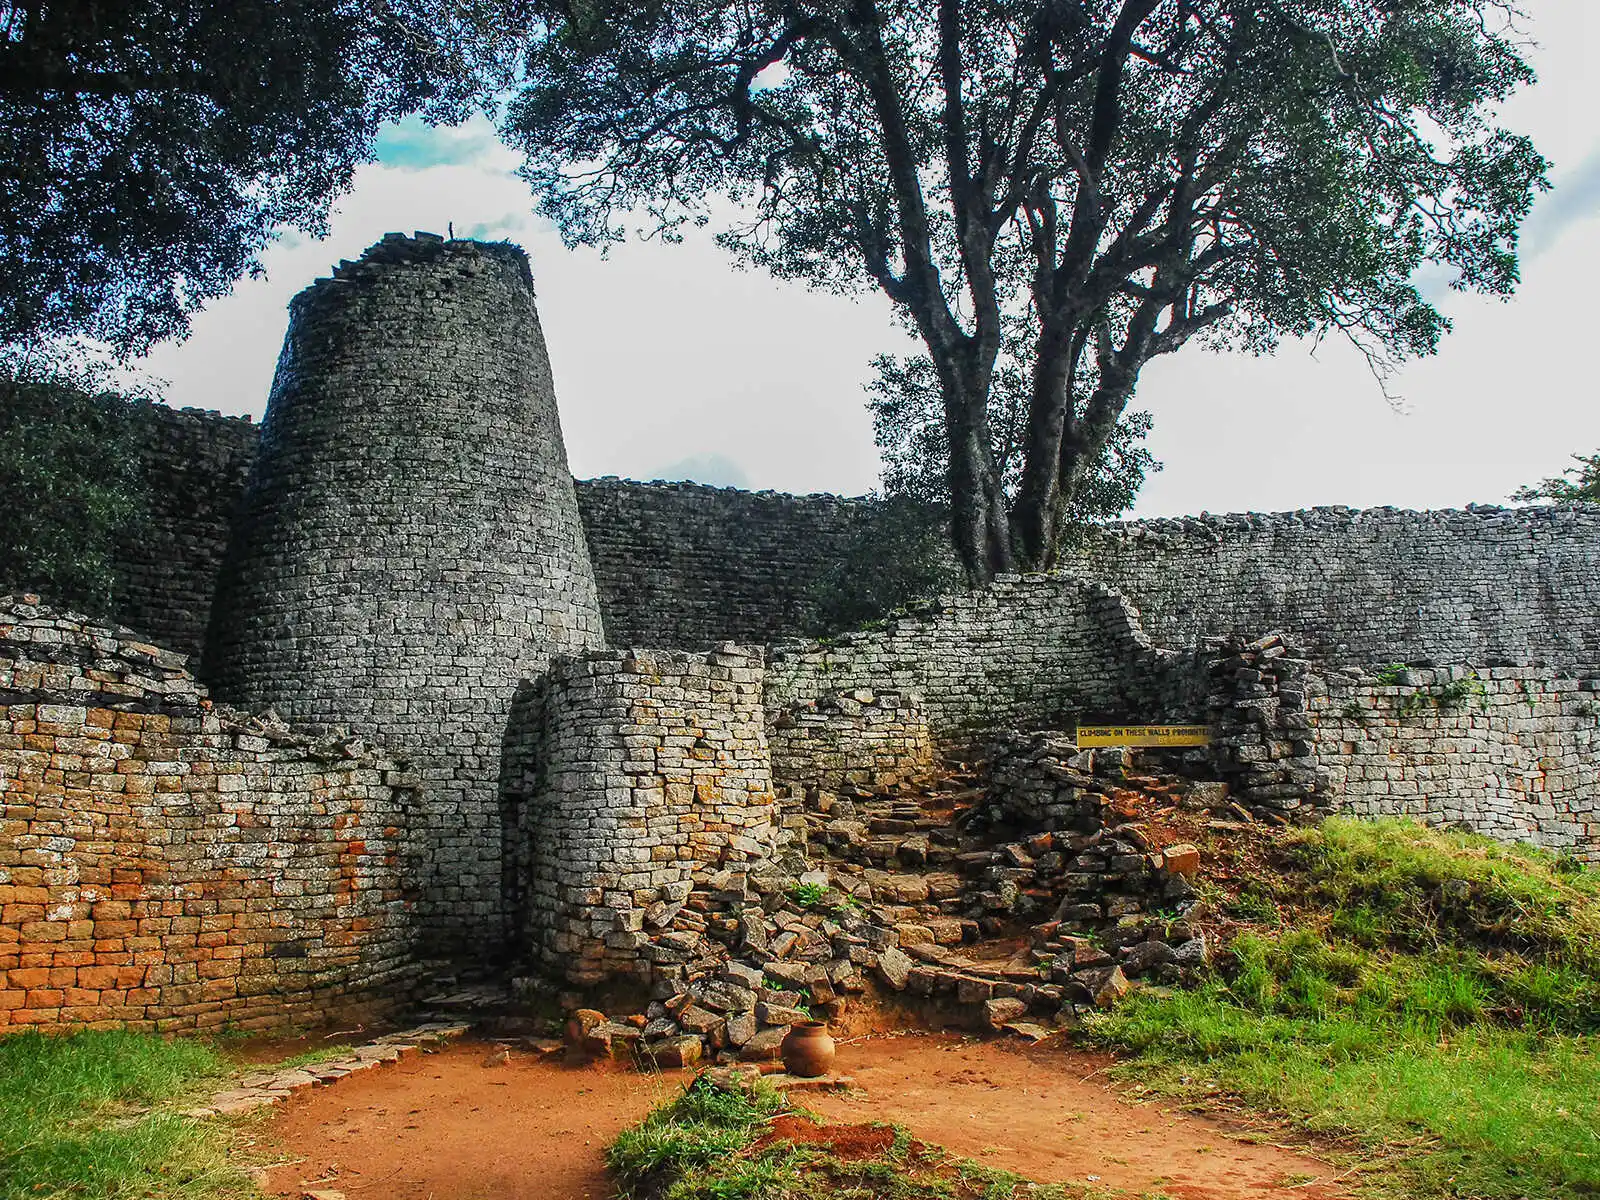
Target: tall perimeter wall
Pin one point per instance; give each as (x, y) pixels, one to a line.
(1480, 585)
(409, 547)
(682, 565)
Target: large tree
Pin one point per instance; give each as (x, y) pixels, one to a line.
(1118, 177)
(149, 149)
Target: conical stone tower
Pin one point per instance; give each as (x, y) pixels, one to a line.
(410, 547)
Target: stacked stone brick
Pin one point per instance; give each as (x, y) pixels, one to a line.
(168, 865)
(1482, 586)
(1035, 651)
(195, 466)
(641, 773)
(1263, 743)
(687, 566)
(409, 546)
(1513, 752)
(859, 736)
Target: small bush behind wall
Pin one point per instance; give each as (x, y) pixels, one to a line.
(73, 486)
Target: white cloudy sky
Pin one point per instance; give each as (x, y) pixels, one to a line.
(671, 363)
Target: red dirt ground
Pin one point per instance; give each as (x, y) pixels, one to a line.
(1049, 1115)
(449, 1127)
(843, 1141)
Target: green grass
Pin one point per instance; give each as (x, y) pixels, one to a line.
(1430, 1000)
(700, 1146)
(94, 1115)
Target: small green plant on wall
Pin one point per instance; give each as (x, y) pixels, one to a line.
(1455, 694)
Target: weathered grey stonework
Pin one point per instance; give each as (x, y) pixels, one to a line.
(1031, 651)
(687, 566)
(195, 472)
(1260, 717)
(1357, 587)
(1513, 752)
(859, 736)
(409, 546)
(633, 775)
(186, 469)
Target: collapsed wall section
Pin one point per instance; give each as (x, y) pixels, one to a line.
(1029, 652)
(409, 547)
(167, 865)
(1482, 586)
(631, 775)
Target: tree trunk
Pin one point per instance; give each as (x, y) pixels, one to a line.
(970, 466)
(1086, 440)
(1033, 516)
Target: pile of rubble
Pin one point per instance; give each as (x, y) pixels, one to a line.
(1014, 897)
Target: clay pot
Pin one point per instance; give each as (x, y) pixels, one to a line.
(807, 1049)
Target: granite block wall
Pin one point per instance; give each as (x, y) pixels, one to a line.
(860, 736)
(1031, 651)
(1475, 586)
(1513, 752)
(195, 467)
(687, 566)
(633, 775)
(169, 865)
(409, 546)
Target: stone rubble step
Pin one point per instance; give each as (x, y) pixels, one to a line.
(262, 1088)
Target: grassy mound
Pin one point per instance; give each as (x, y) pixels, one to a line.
(1430, 999)
(93, 1115)
(714, 1142)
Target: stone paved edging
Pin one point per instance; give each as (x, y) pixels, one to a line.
(260, 1089)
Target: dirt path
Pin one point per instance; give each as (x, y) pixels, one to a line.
(449, 1127)
(1043, 1114)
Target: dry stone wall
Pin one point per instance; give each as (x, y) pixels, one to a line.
(195, 467)
(688, 566)
(861, 736)
(1480, 586)
(409, 547)
(631, 776)
(1032, 651)
(167, 865)
(1513, 752)
(186, 469)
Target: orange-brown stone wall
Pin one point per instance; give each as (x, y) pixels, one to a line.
(186, 869)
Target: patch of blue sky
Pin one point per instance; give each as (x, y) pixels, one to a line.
(414, 145)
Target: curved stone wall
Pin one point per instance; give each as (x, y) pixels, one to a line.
(409, 546)
(1479, 585)
(171, 865)
(688, 566)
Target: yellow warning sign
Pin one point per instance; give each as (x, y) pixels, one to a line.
(1143, 735)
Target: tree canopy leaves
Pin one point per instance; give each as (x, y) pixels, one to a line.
(149, 149)
(1115, 178)
(1580, 483)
